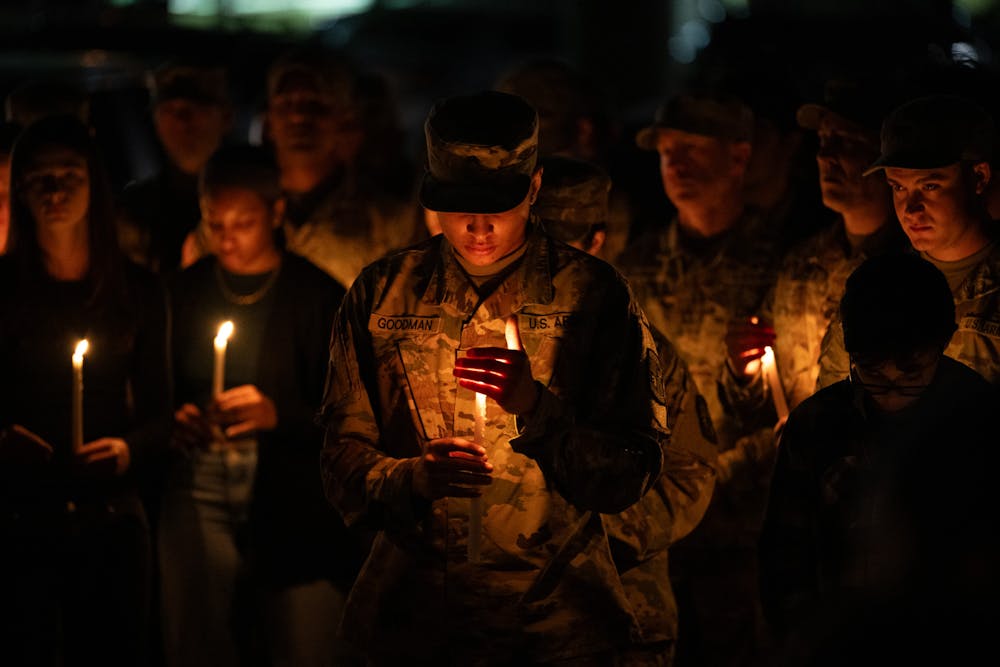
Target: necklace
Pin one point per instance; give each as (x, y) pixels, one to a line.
(245, 299)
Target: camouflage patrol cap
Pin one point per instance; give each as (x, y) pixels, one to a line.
(482, 149)
(188, 80)
(573, 197)
(935, 131)
(328, 73)
(710, 114)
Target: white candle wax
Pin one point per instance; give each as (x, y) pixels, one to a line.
(770, 370)
(476, 504)
(77, 404)
(221, 342)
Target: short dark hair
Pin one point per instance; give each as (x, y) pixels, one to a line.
(242, 166)
(895, 307)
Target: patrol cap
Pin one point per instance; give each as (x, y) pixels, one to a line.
(559, 94)
(713, 115)
(328, 73)
(935, 131)
(188, 80)
(573, 197)
(860, 100)
(482, 149)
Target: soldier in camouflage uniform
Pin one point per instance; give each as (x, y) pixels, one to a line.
(811, 279)
(935, 153)
(572, 206)
(574, 424)
(340, 216)
(692, 278)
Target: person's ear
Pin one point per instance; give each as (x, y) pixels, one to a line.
(597, 242)
(278, 212)
(740, 152)
(982, 174)
(536, 184)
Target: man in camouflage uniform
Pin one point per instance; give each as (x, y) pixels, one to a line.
(573, 428)
(339, 216)
(936, 153)
(706, 268)
(572, 206)
(811, 279)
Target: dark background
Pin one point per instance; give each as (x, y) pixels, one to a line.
(636, 52)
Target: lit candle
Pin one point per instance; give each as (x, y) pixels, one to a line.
(770, 370)
(476, 503)
(77, 408)
(221, 341)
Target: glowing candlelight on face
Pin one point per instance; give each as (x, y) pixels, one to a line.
(770, 370)
(221, 342)
(77, 406)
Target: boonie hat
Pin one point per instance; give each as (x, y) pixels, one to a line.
(935, 131)
(482, 150)
(712, 115)
(573, 197)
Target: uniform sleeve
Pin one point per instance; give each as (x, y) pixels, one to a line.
(359, 479)
(601, 437)
(834, 362)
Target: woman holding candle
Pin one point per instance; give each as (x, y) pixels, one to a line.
(245, 525)
(76, 555)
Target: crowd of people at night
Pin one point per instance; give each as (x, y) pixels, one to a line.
(309, 400)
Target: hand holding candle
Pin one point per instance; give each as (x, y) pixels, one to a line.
(503, 374)
(77, 405)
(746, 341)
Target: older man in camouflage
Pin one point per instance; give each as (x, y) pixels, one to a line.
(573, 425)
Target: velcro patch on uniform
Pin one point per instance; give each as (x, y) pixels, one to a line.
(404, 324)
(551, 323)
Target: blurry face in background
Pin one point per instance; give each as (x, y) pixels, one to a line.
(55, 187)
(305, 122)
(240, 227)
(939, 210)
(4, 200)
(845, 151)
(699, 169)
(190, 131)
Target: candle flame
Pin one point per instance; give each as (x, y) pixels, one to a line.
(225, 331)
(81, 349)
(768, 357)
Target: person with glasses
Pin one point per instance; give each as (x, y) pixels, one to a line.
(881, 526)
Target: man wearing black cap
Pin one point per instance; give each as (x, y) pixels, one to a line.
(491, 393)
(813, 272)
(192, 117)
(935, 152)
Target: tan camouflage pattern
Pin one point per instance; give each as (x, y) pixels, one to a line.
(691, 297)
(548, 586)
(976, 343)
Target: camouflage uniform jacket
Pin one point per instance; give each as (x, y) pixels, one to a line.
(546, 586)
(691, 295)
(347, 230)
(976, 343)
